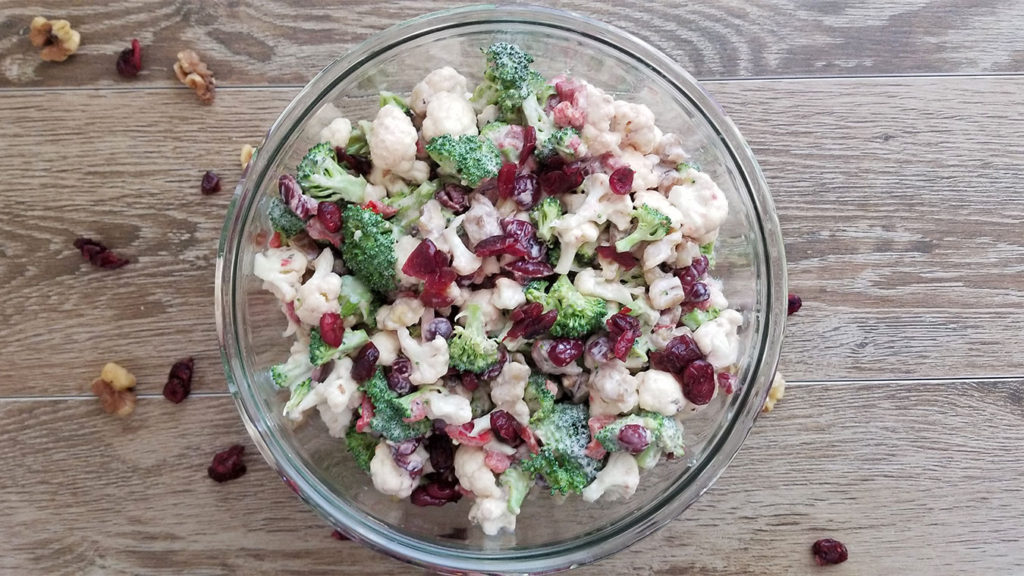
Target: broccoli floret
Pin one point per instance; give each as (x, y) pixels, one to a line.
(508, 79)
(684, 166)
(321, 353)
(554, 253)
(539, 399)
(578, 315)
(283, 220)
(651, 225)
(518, 482)
(586, 255)
(388, 411)
(564, 435)
(472, 158)
(299, 393)
(563, 473)
(694, 318)
(361, 446)
(709, 251)
(320, 176)
(291, 372)
(357, 301)
(392, 98)
(357, 145)
(369, 248)
(665, 433)
(564, 142)
(470, 349)
(410, 203)
(544, 215)
(481, 402)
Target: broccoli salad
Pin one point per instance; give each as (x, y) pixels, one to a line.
(498, 288)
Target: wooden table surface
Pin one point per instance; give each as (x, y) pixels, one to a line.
(891, 137)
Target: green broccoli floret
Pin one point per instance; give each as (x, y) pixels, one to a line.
(694, 318)
(470, 349)
(362, 447)
(508, 144)
(544, 215)
(586, 255)
(665, 433)
(651, 225)
(357, 145)
(709, 251)
(369, 248)
(684, 166)
(518, 482)
(410, 204)
(392, 98)
(321, 353)
(508, 79)
(554, 253)
(357, 301)
(563, 473)
(291, 372)
(321, 177)
(388, 411)
(283, 220)
(472, 158)
(578, 315)
(564, 142)
(539, 398)
(564, 435)
(299, 393)
(481, 402)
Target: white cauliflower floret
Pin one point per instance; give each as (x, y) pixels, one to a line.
(337, 132)
(602, 205)
(589, 284)
(492, 316)
(281, 270)
(405, 311)
(716, 299)
(508, 294)
(432, 224)
(449, 113)
(319, 295)
(508, 388)
(661, 336)
(670, 149)
(473, 473)
(375, 192)
(388, 477)
(387, 345)
(702, 204)
(686, 252)
(392, 142)
(445, 79)
(617, 480)
(338, 396)
(660, 392)
(481, 220)
(660, 203)
(429, 359)
(403, 248)
(440, 404)
(597, 133)
(612, 383)
(636, 124)
(661, 251)
(644, 176)
(391, 183)
(718, 339)
(572, 231)
(492, 514)
(464, 261)
(489, 114)
(665, 292)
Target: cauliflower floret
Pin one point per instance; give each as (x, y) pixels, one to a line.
(661, 251)
(612, 384)
(375, 192)
(670, 149)
(618, 479)
(492, 514)
(405, 311)
(388, 477)
(716, 299)
(602, 205)
(432, 223)
(464, 261)
(473, 473)
(660, 203)
(664, 333)
(441, 80)
(387, 345)
(589, 284)
(666, 292)
(429, 359)
(392, 142)
(686, 252)
(508, 294)
(508, 388)
(660, 392)
(481, 220)
(597, 133)
(484, 297)
(403, 248)
(281, 270)
(337, 132)
(573, 231)
(441, 404)
(718, 339)
(702, 204)
(338, 395)
(644, 176)
(489, 114)
(636, 124)
(319, 295)
(449, 113)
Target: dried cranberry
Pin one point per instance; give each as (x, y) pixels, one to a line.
(227, 465)
(529, 144)
(677, 355)
(527, 191)
(442, 452)
(332, 329)
(634, 438)
(525, 270)
(526, 243)
(700, 265)
(600, 349)
(435, 494)
(129, 61)
(565, 351)
(494, 245)
(435, 290)
(210, 183)
(320, 372)
(699, 382)
(291, 193)
(829, 551)
(624, 330)
(555, 182)
(727, 382)
(495, 369)
(365, 362)
(361, 165)
(794, 304)
(697, 293)
(621, 181)
(506, 428)
(398, 376)
(454, 197)
(529, 321)
(422, 261)
(337, 535)
(329, 214)
(469, 381)
(402, 454)
(437, 327)
(98, 254)
(624, 259)
(518, 229)
(179, 381)
(507, 181)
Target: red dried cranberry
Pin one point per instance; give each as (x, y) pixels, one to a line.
(699, 382)
(621, 181)
(361, 165)
(320, 372)
(435, 290)
(624, 330)
(365, 362)
(442, 452)
(506, 428)
(624, 259)
(634, 438)
(829, 551)
(494, 245)
(727, 382)
(529, 144)
(398, 376)
(98, 254)
(495, 369)
(227, 465)
(129, 61)
(454, 197)
(469, 381)
(435, 494)
(329, 214)
(794, 304)
(529, 321)
(527, 191)
(700, 265)
(518, 229)
(291, 193)
(337, 535)
(179, 381)
(525, 235)
(332, 329)
(555, 182)
(565, 351)
(422, 261)
(600, 349)
(437, 327)
(677, 355)
(525, 270)
(507, 181)
(365, 414)
(697, 293)
(210, 183)
(402, 454)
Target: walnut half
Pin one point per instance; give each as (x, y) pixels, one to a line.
(192, 72)
(55, 37)
(115, 389)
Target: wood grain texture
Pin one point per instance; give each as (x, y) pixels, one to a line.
(288, 41)
(913, 482)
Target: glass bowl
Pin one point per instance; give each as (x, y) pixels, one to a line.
(550, 535)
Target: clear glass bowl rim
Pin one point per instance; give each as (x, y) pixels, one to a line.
(609, 539)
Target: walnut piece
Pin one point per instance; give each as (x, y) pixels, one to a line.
(777, 391)
(192, 72)
(247, 151)
(119, 402)
(118, 378)
(55, 37)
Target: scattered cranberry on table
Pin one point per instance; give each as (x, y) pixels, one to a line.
(829, 551)
(227, 465)
(794, 304)
(210, 183)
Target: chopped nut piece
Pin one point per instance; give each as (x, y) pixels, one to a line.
(55, 37)
(192, 72)
(119, 402)
(247, 151)
(777, 391)
(117, 376)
